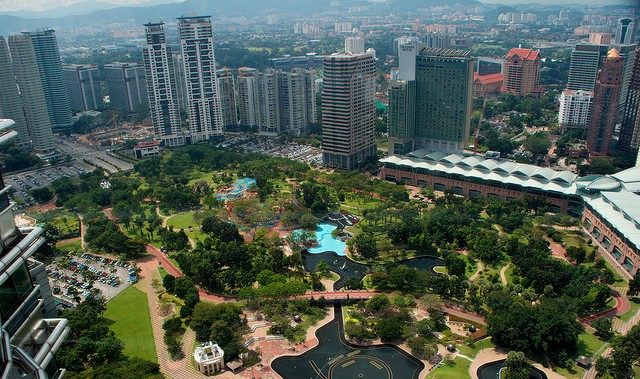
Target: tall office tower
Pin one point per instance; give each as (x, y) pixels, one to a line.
(227, 88)
(45, 46)
(33, 99)
(626, 31)
(403, 40)
(127, 86)
(348, 110)
(248, 96)
(163, 100)
(522, 72)
(354, 45)
(401, 116)
(83, 84)
(586, 60)
(181, 84)
(204, 111)
(268, 102)
(630, 128)
(30, 333)
(628, 53)
(575, 109)
(296, 92)
(605, 104)
(10, 101)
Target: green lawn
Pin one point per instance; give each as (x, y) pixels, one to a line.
(182, 221)
(588, 344)
(132, 323)
(69, 245)
(162, 272)
(456, 369)
(472, 351)
(508, 274)
(634, 303)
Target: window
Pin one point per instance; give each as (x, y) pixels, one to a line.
(616, 253)
(14, 289)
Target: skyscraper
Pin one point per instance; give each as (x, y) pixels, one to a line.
(163, 100)
(227, 91)
(522, 72)
(628, 53)
(442, 97)
(127, 86)
(354, 45)
(45, 46)
(268, 102)
(10, 101)
(83, 84)
(626, 31)
(586, 60)
(348, 110)
(31, 333)
(630, 129)
(204, 111)
(296, 92)
(32, 93)
(605, 104)
(248, 96)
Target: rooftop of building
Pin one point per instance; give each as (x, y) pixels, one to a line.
(452, 53)
(579, 92)
(208, 352)
(527, 54)
(491, 78)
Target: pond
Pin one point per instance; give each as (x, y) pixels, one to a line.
(327, 242)
(337, 358)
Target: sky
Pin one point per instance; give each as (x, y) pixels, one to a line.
(40, 5)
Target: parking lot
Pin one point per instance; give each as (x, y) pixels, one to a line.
(74, 277)
(43, 177)
(299, 152)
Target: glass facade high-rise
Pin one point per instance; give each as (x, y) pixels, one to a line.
(10, 101)
(45, 46)
(348, 110)
(127, 86)
(30, 334)
(586, 60)
(83, 84)
(32, 93)
(439, 85)
(630, 128)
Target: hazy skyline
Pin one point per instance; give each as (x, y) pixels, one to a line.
(42, 5)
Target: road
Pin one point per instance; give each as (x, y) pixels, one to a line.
(93, 154)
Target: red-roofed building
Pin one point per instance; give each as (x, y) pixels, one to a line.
(147, 149)
(487, 84)
(522, 72)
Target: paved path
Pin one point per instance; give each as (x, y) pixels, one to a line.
(492, 355)
(503, 277)
(478, 271)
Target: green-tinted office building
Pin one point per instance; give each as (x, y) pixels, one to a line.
(441, 95)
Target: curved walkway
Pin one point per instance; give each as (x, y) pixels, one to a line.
(503, 276)
(492, 355)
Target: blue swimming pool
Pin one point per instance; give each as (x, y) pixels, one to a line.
(239, 186)
(326, 242)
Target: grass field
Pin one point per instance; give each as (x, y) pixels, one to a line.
(508, 274)
(472, 351)
(132, 323)
(70, 245)
(182, 221)
(456, 369)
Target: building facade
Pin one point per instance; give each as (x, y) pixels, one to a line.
(30, 333)
(401, 115)
(575, 109)
(204, 111)
(127, 86)
(600, 38)
(630, 128)
(354, 45)
(209, 358)
(248, 96)
(10, 100)
(45, 47)
(227, 91)
(488, 66)
(348, 110)
(586, 60)
(522, 72)
(163, 99)
(310, 61)
(83, 84)
(487, 85)
(605, 104)
(32, 93)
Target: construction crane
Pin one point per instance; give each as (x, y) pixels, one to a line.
(113, 120)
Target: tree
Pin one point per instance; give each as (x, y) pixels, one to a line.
(365, 245)
(389, 329)
(42, 195)
(537, 144)
(421, 347)
(516, 366)
(577, 255)
(603, 326)
(323, 269)
(224, 231)
(455, 264)
(634, 285)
